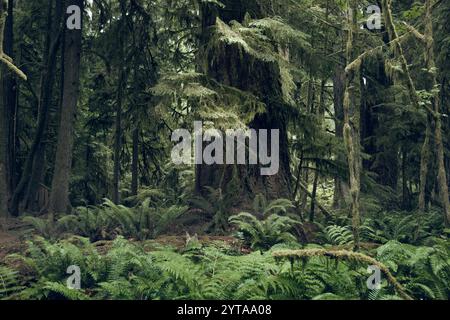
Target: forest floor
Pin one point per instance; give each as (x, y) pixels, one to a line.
(11, 238)
(15, 233)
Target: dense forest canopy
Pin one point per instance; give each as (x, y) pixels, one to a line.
(305, 131)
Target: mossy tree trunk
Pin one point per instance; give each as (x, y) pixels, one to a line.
(340, 185)
(425, 154)
(434, 121)
(433, 85)
(352, 120)
(235, 68)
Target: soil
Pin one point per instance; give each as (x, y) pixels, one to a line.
(12, 236)
(9, 243)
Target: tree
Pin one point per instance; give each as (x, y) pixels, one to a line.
(59, 197)
(7, 104)
(435, 101)
(352, 119)
(34, 166)
(121, 87)
(254, 75)
(4, 190)
(433, 112)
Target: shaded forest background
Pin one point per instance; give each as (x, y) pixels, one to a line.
(87, 116)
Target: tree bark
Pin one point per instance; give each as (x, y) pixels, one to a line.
(118, 141)
(135, 163)
(339, 198)
(3, 147)
(119, 101)
(59, 197)
(314, 195)
(10, 97)
(4, 122)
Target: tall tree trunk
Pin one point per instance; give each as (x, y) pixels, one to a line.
(405, 190)
(135, 163)
(314, 195)
(33, 168)
(118, 141)
(8, 85)
(4, 120)
(119, 101)
(352, 121)
(431, 66)
(424, 166)
(3, 152)
(339, 197)
(393, 37)
(10, 96)
(59, 197)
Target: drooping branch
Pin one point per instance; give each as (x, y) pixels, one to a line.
(348, 255)
(415, 32)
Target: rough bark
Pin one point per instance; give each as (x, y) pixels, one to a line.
(339, 198)
(59, 197)
(135, 163)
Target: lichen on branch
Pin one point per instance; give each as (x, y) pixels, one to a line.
(348, 255)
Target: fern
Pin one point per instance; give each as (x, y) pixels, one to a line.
(263, 234)
(338, 235)
(127, 270)
(10, 283)
(65, 292)
(42, 226)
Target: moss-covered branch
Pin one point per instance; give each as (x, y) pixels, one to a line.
(348, 255)
(4, 57)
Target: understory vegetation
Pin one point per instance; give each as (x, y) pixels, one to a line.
(219, 271)
(264, 259)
